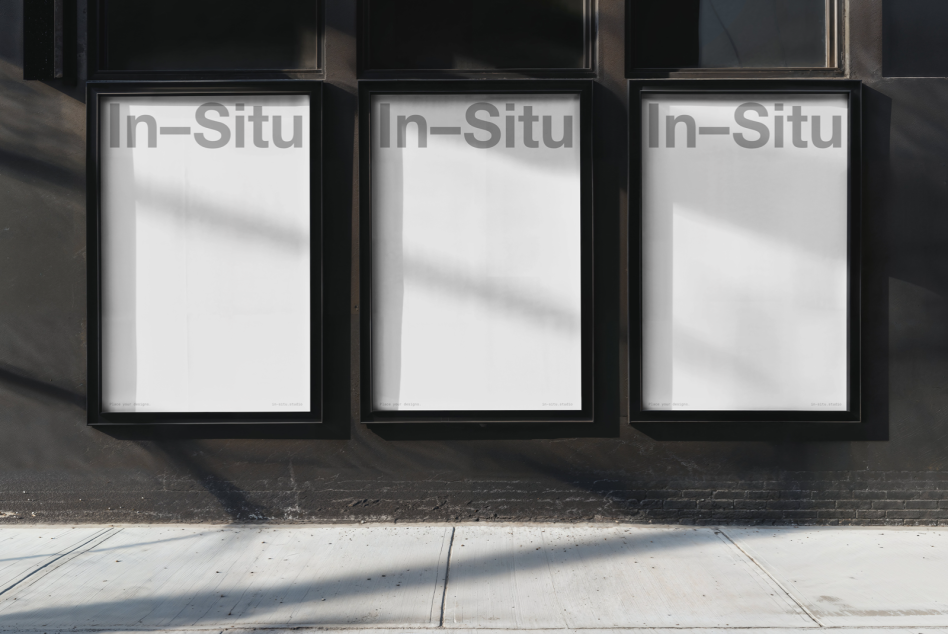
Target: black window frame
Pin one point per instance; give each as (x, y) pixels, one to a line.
(851, 88)
(585, 90)
(835, 29)
(95, 70)
(94, 91)
(590, 30)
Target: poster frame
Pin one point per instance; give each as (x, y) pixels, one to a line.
(852, 89)
(95, 91)
(369, 88)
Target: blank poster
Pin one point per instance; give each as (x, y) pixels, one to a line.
(205, 265)
(745, 275)
(476, 275)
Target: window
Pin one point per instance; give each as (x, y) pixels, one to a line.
(489, 35)
(205, 35)
(733, 34)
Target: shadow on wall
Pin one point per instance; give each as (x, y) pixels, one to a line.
(11, 33)
(15, 377)
(234, 502)
(913, 38)
(916, 200)
(42, 222)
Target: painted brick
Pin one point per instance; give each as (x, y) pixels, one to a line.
(921, 504)
(784, 504)
(728, 495)
(752, 504)
(902, 495)
(940, 514)
(762, 495)
(832, 494)
(659, 514)
(715, 504)
(800, 515)
(817, 504)
(744, 517)
(853, 504)
(630, 495)
(932, 495)
(869, 495)
(835, 514)
(794, 495)
(697, 494)
(903, 514)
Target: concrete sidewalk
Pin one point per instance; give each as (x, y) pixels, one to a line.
(472, 577)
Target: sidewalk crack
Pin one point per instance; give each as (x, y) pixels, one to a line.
(61, 558)
(719, 530)
(447, 571)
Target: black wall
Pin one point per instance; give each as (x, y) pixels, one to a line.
(891, 469)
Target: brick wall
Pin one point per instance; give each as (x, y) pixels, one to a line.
(890, 498)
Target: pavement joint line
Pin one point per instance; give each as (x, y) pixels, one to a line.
(406, 628)
(447, 571)
(60, 559)
(720, 530)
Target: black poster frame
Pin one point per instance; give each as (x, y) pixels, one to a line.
(97, 90)
(585, 91)
(853, 90)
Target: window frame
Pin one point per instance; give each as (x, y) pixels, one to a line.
(584, 89)
(835, 33)
(853, 90)
(95, 90)
(96, 45)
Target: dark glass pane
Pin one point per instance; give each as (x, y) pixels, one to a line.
(913, 38)
(208, 35)
(481, 35)
(728, 33)
(665, 33)
(762, 33)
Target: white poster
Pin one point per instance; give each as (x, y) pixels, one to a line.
(476, 276)
(745, 277)
(205, 259)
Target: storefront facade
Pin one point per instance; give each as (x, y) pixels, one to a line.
(486, 369)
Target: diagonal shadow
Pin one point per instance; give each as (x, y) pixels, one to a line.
(523, 300)
(257, 603)
(27, 169)
(233, 500)
(18, 378)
